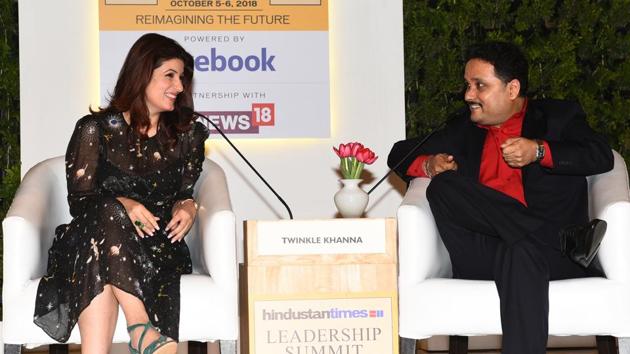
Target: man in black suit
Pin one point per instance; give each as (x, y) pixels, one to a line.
(509, 192)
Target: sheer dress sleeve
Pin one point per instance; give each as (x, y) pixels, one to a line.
(194, 155)
(82, 157)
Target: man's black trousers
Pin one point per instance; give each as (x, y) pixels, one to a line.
(491, 236)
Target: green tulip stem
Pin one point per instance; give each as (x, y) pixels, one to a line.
(351, 168)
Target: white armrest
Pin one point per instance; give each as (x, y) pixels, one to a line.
(28, 228)
(422, 254)
(23, 258)
(609, 200)
(217, 226)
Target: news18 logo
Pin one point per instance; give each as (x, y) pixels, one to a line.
(244, 122)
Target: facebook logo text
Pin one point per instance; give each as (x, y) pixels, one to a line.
(221, 62)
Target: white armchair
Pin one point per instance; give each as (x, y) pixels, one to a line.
(431, 303)
(209, 296)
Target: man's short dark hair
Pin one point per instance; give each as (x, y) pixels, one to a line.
(508, 60)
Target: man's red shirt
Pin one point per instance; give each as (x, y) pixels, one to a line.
(494, 172)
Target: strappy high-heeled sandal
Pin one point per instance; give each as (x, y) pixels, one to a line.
(157, 344)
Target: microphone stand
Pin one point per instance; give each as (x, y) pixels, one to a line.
(246, 161)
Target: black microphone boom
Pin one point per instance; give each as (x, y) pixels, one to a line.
(197, 114)
(418, 145)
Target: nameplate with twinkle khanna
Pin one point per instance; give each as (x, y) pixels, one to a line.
(338, 236)
(322, 286)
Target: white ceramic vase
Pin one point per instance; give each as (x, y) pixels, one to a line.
(351, 200)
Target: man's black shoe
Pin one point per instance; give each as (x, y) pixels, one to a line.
(581, 242)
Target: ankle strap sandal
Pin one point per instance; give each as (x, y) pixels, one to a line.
(158, 343)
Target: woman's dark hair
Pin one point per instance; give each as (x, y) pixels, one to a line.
(508, 60)
(147, 54)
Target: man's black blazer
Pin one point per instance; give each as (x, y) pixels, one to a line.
(558, 194)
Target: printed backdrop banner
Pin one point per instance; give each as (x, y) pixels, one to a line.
(261, 66)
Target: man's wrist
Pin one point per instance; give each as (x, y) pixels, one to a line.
(540, 150)
(425, 168)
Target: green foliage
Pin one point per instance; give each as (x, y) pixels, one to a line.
(577, 49)
(9, 108)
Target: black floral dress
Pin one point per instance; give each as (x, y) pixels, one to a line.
(100, 245)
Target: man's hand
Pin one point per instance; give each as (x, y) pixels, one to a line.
(439, 163)
(519, 152)
(142, 219)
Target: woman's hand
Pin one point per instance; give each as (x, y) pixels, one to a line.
(184, 213)
(142, 219)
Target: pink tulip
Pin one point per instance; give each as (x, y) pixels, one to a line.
(343, 151)
(366, 155)
(355, 147)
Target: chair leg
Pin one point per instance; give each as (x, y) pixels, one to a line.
(606, 345)
(407, 345)
(624, 345)
(197, 347)
(228, 346)
(58, 349)
(12, 349)
(457, 345)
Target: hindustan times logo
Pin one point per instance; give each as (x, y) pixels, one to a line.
(310, 314)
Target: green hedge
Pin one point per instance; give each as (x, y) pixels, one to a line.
(577, 50)
(9, 108)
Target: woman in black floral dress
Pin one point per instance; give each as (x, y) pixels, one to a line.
(130, 168)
